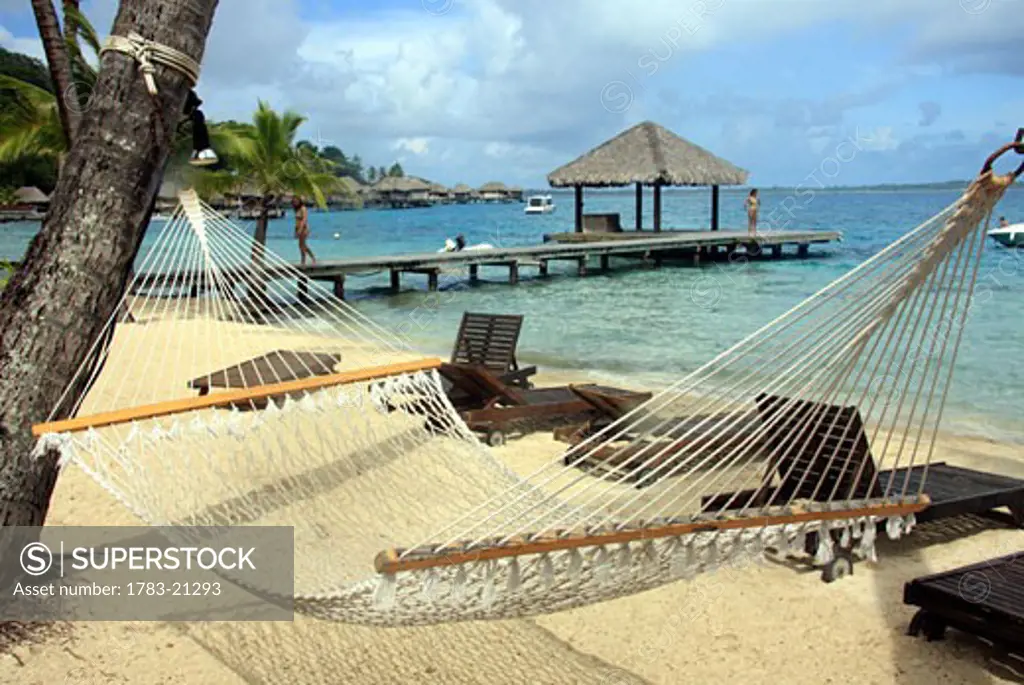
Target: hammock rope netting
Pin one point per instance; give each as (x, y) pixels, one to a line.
(402, 516)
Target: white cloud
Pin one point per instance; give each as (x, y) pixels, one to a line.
(27, 45)
(417, 146)
(522, 80)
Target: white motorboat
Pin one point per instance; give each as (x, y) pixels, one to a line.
(1009, 236)
(453, 246)
(539, 204)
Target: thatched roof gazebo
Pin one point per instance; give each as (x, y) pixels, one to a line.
(647, 154)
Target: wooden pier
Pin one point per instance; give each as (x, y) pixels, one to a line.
(649, 250)
(692, 247)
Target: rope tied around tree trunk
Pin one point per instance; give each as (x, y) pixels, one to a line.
(148, 54)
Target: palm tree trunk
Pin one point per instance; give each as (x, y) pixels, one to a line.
(258, 293)
(70, 29)
(72, 279)
(60, 67)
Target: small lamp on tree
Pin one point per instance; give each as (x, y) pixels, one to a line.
(202, 153)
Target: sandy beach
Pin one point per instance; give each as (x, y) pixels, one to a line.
(768, 623)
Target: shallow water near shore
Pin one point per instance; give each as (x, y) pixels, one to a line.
(650, 328)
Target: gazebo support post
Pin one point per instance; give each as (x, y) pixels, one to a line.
(714, 208)
(579, 209)
(639, 206)
(657, 206)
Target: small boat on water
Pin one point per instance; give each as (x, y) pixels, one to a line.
(459, 245)
(1009, 236)
(539, 204)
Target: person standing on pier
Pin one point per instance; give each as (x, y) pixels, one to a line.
(752, 204)
(302, 229)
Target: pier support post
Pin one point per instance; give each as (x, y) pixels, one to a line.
(578, 211)
(396, 281)
(513, 273)
(542, 268)
(639, 206)
(474, 272)
(657, 206)
(803, 249)
(604, 262)
(776, 251)
(339, 287)
(696, 257)
(714, 208)
(432, 280)
(581, 268)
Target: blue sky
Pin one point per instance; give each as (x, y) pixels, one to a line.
(846, 91)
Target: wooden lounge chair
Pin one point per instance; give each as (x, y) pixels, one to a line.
(608, 408)
(844, 467)
(506, 408)
(982, 599)
(490, 340)
(656, 450)
(274, 367)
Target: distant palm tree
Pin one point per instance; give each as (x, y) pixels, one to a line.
(32, 128)
(265, 157)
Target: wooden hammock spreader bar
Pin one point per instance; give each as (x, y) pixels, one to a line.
(223, 399)
(392, 561)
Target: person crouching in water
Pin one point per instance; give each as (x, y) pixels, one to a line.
(302, 229)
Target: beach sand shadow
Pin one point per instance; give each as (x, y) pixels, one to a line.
(973, 664)
(314, 652)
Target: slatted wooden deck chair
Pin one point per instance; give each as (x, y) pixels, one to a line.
(628, 451)
(490, 340)
(821, 453)
(608, 407)
(278, 366)
(508, 408)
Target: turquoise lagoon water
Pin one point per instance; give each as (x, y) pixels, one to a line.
(643, 326)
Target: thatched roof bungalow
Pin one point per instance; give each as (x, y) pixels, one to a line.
(351, 194)
(515, 194)
(494, 191)
(30, 195)
(462, 193)
(403, 191)
(647, 154)
(439, 193)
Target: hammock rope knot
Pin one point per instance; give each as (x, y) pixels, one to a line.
(148, 54)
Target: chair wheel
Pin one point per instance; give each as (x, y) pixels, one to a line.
(495, 438)
(840, 567)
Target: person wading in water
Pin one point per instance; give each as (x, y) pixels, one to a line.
(302, 229)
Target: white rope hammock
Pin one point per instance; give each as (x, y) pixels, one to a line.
(823, 421)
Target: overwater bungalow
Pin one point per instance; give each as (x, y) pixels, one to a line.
(352, 196)
(494, 191)
(246, 202)
(30, 203)
(439, 194)
(400, 192)
(462, 193)
(515, 194)
(645, 155)
(32, 198)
